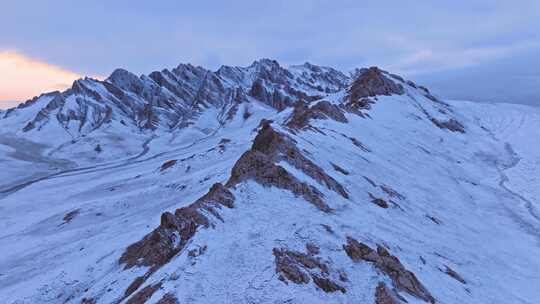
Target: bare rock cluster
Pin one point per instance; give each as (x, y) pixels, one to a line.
(379, 201)
(171, 236)
(144, 294)
(300, 268)
(403, 279)
(271, 147)
(453, 274)
(168, 298)
(372, 82)
(175, 230)
(387, 295)
(303, 113)
(166, 165)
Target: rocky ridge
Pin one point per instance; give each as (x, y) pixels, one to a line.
(303, 156)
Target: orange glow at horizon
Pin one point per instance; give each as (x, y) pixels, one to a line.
(22, 78)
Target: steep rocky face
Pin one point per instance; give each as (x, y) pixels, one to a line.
(372, 82)
(259, 163)
(157, 248)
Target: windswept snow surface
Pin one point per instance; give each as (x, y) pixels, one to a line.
(467, 201)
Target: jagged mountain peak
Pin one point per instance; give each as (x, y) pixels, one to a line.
(122, 76)
(266, 63)
(266, 184)
(167, 100)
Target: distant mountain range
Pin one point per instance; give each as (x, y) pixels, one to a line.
(267, 184)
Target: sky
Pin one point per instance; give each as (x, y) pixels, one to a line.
(482, 50)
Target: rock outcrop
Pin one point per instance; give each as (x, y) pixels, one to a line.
(303, 113)
(260, 164)
(453, 274)
(386, 295)
(166, 165)
(168, 298)
(403, 279)
(175, 230)
(144, 294)
(372, 82)
(300, 268)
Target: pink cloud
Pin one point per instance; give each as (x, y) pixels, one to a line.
(22, 78)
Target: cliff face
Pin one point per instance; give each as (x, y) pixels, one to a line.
(267, 184)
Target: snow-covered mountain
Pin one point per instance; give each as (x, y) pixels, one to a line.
(267, 184)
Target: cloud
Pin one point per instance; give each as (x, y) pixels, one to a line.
(22, 77)
(466, 58)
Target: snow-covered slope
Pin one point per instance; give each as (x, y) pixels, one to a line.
(266, 184)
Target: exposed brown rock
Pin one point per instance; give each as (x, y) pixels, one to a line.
(144, 294)
(385, 295)
(168, 298)
(287, 266)
(282, 147)
(259, 167)
(372, 82)
(378, 201)
(303, 113)
(175, 230)
(368, 84)
(259, 164)
(391, 192)
(449, 271)
(327, 285)
(171, 236)
(134, 286)
(298, 267)
(356, 106)
(166, 165)
(68, 217)
(403, 279)
(193, 253)
(307, 260)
